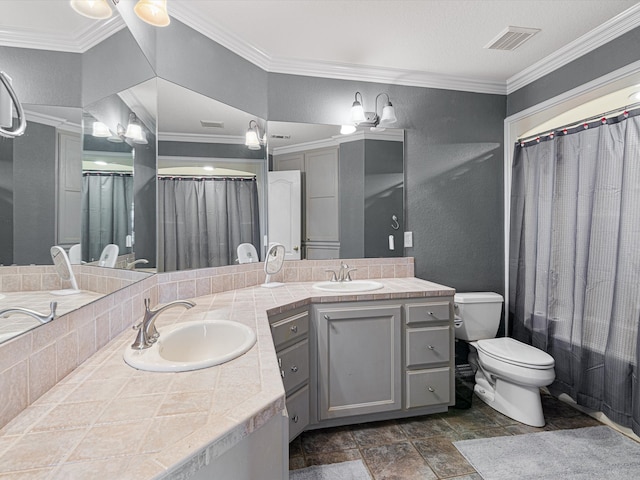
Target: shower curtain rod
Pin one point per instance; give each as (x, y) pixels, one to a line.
(193, 177)
(618, 110)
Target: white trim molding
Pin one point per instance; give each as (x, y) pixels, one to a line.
(610, 30)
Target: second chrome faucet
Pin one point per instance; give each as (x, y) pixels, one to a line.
(147, 332)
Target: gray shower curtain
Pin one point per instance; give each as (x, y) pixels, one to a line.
(575, 261)
(107, 212)
(203, 220)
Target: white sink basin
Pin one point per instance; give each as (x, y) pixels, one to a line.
(192, 346)
(348, 287)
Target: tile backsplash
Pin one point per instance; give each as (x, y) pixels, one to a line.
(35, 361)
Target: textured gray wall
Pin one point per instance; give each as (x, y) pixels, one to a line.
(112, 66)
(616, 54)
(213, 150)
(6, 201)
(351, 198)
(144, 192)
(384, 197)
(453, 169)
(34, 183)
(41, 77)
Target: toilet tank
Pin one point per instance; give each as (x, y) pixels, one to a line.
(477, 315)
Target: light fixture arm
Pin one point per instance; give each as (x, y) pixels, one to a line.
(22, 121)
(376, 104)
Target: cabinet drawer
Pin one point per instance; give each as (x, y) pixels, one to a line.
(294, 365)
(428, 312)
(298, 411)
(427, 387)
(290, 329)
(428, 345)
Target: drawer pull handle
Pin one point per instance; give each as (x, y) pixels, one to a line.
(294, 328)
(327, 317)
(282, 373)
(295, 419)
(294, 369)
(431, 389)
(430, 314)
(431, 347)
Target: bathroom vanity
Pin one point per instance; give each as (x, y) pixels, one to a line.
(211, 420)
(352, 362)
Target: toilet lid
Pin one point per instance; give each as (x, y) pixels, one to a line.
(514, 352)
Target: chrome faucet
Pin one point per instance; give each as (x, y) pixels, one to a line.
(130, 265)
(41, 317)
(344, 273)
(147, 332)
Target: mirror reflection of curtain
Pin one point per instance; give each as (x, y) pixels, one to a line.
(575, 261)
(203, 220)
(107, 212)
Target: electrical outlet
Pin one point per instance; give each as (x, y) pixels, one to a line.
(408, 239)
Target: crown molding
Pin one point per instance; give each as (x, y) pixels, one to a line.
(392, 135)
(188, 14)
(52, 121)
(80, 43)
(200, 138)
(608, 31)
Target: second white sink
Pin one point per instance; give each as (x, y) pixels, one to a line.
(192, 346)
(348, 287)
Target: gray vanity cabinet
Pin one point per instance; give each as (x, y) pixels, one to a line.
(359, 359)
(290, 333)
(429, 354)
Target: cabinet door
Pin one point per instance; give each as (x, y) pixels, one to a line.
(322, 195)
(359, 360)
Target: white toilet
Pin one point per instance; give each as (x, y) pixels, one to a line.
(509, 373)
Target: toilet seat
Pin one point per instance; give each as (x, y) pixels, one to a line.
(508, 350)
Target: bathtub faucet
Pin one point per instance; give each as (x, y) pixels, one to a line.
(41, 317)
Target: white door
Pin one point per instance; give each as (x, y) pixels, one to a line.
(284, 211)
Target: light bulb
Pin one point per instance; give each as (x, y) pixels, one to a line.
(154, 12)
(98, 9)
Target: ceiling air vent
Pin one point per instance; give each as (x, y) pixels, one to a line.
(511, 38)
(210, 124)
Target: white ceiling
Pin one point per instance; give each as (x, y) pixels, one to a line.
(422, 42)
(437, 43)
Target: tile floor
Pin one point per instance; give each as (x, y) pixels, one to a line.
(421, 447)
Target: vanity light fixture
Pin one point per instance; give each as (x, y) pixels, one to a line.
(100, 162)
(635, 96)
(134, 130)
(142, 140)
(376, 123)
(347, 129)
(153, 12)
(252, 137)
(98, 9)
(119, 135)
(100, 130)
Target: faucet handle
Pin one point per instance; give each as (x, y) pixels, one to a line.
(347, 277)
(334, 278)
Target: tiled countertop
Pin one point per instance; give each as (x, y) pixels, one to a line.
(110, 420)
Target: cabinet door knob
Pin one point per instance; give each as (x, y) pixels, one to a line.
(282, 373)
(430, 347)
(295, 249)
(295, 419)
(327, 317)
(294, 328)
(280, 362)
(294, 369)
(431, 389)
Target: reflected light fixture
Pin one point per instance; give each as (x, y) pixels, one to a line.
(134, 130)
(100, 162)
(98, 9)
(100, 130)
(347, 129)
(153, 12)
(142, 140)
(361, 118)
(635, 96)
(252, 137)
(208, 168)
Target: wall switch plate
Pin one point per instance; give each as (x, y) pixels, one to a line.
(408, 239)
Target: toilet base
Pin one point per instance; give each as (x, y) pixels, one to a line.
(518, 402)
